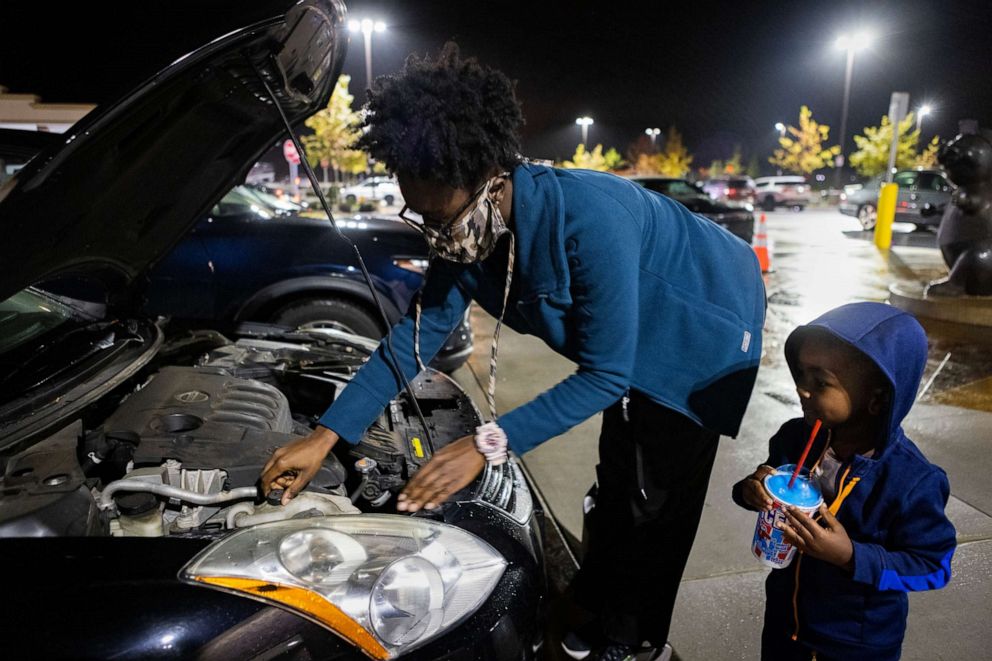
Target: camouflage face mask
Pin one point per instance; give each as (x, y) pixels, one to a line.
(474, 234)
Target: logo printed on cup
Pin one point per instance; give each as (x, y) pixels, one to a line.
(769, 545)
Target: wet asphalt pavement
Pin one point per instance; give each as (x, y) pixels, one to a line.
(820, 260)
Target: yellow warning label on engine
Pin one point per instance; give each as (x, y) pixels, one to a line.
(418, 449)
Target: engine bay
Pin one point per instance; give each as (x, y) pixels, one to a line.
(178, 449)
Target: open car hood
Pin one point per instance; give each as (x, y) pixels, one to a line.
(131, 178)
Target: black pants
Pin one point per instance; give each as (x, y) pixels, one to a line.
(778, 647)
(652, 477)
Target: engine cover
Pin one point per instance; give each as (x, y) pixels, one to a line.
(207, 419)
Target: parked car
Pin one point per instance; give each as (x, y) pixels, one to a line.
(130, 522)
(917, 188)
(282, 204)
(782, 191)
(261, 173)
(384, 189)
(737, 218)
(245, 262)
(731, 189)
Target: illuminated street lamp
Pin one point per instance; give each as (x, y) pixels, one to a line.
(923, 110)
(780, 127)
(852, 44)
(584, 123)
(653, 133)
(367, 26)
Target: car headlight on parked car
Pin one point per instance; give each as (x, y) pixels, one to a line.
(386, 584)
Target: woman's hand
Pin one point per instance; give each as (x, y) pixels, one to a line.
(450, 469)
(293, 466)
(754, 493)
(824, 540)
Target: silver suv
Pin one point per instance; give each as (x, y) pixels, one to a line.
(781, 191)
(922, 195)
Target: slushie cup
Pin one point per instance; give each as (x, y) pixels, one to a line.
(769, 545)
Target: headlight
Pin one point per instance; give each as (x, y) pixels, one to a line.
(387, 584)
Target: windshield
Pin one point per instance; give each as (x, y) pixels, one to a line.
(669, 187)
(28, 315)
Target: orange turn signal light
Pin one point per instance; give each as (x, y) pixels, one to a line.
(306, 602)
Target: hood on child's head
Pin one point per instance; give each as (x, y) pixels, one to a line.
(891, 338)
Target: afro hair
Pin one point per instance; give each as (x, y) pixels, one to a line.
(447, 120)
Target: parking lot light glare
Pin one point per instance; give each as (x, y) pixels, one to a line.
(380, 26)
(584, 123)
(922, 112)
(354, 26)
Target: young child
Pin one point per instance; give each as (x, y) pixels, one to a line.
(882, 531)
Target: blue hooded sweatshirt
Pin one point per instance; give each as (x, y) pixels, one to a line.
(637, 290)
(891, 505)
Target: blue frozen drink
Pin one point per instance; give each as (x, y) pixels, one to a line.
(769, 545)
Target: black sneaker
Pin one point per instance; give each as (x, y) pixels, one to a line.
(575, 645)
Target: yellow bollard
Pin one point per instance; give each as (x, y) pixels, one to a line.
(886, 215)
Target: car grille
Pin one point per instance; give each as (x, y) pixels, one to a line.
(504, 488)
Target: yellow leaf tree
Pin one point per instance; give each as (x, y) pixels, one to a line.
(335, 130)
(802, 150)
(673, 161)
(872, 155)
(594, 160)
(928, 157)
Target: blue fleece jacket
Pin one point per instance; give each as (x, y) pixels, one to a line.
(637, 290)
(894, 514)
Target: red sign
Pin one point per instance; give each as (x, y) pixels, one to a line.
(289, 151)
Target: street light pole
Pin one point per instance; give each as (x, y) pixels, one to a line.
(780, 127)
(367, 26)
(923, 110)
(851, 45)
(584, 123)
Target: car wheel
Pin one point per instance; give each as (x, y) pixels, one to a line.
(350, 198)
(800, 207)
(867, 217)
(389, 199)
(329, 313)
(768, 203)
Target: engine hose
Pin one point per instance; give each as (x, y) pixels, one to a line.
(357, 493)
(107, 497)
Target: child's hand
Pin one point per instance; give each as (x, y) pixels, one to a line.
(754, 492)
(825, 539)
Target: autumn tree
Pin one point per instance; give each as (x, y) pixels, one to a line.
(928, 157)
(872, 155)
(595, 159)
(672, 161)
(733, 166)
(335, 130)
(802, 150)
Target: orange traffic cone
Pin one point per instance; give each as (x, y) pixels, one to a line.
(761, 245)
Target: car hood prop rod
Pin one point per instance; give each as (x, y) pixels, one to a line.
(393, 362)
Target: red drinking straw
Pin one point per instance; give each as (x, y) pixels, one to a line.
(802, 459)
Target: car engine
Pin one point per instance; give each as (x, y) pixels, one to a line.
(178, 450)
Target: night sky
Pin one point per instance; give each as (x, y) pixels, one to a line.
(723, 73)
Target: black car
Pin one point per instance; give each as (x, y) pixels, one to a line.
(249, 261)
(735, 217)
(130, 521)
